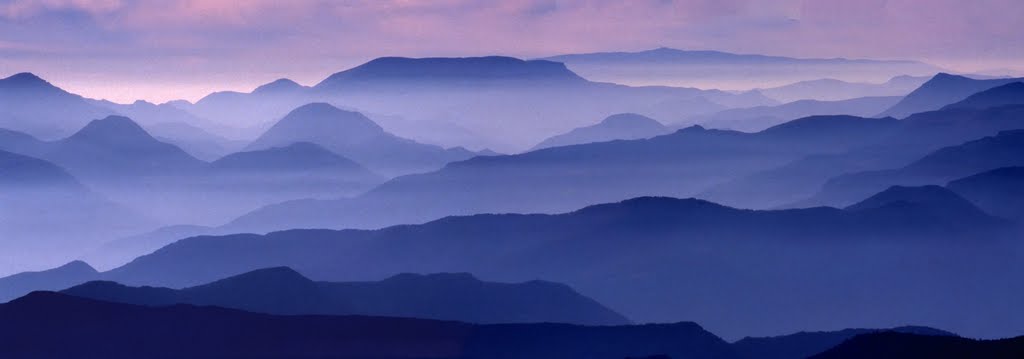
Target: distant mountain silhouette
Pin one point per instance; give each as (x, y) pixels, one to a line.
(280, 85)
(938, 167)
(759, 118)
(296, 157)
(48, 216)
(117, 252)
(677, 164)
(444, 296)
(500, 103)
(715, 69)
(631, 256)
(892, 345)
(117, 146)
(901, 144)
(625, 126)
(34, 324)
(352, 135)
(198, 142)
(999, 191)
(805, 344)
(941, 90)
(32, 105)
(58, 278)
(837, 90)
(1009, 94)
(929, 203)
(449, 72)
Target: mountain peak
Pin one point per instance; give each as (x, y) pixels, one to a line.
(279, 85)
(630, 120)
(25, 79)
(112, 128)
(269, 278)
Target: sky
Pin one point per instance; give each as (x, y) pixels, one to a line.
(161, 50)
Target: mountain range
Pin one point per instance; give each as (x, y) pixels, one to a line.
(938, 167)
(837, 90)
(892, 345)
(942, 90)
(355, 136)
(443, 296)
(630, 256)
(755, 119)
(723, 70)
(999, 191)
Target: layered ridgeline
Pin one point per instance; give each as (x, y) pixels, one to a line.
(936, 168)
(445, 296)
(649, 258)
(355, 136)
(914, 137)
(499, 103)
(999, 191)
(754, 119)
(942, 90)
(48, 216)
(778, 166)
(66, 326)
(34, 106)
(83, 327)
(715, 69)
(119, 159)
(828, 89)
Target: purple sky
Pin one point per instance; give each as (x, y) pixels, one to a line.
(166, 49)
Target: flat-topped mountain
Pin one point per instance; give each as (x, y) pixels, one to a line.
(445, 296)
(450, 71)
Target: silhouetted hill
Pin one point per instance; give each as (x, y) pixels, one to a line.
(48, 216)
(646, 257)
(938, 167)
(280, 85)
(53, 279)
(564, 178)
(837, 90)
(1009, 94)
(295, 157)
(21, 143)
(449, 72)
(999, 191)
(625, 126)
(35, 324)
(22, 173)
(805, 344)
(32, 105)
(759, 118)
(941, 90)
(930, 203)
(892, 345)
(116, 146)
(352, 135)
(445, 296)
(905, 142)
(198, 142)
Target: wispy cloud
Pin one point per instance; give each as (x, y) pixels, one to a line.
(256, 40)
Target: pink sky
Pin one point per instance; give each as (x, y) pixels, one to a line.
(161, 50)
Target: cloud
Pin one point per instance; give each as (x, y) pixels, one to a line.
(260, 39)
